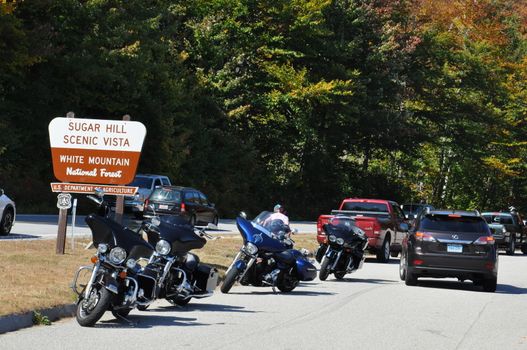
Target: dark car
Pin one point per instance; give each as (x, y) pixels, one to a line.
(186, 202)
(448, 243)
(508, 231)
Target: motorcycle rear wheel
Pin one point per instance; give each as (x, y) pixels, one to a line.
(324, 269)
(339, 275)
(88, 315)
(121, 312)
(230, 278)
(286, 282)
(180, 302)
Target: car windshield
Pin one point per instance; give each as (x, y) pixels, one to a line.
(142, 182)
(412, 208)
(453, 223)
(498, 219)
(166, 195)
(362, 206)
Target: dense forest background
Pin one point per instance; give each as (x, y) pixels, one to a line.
(301, 102)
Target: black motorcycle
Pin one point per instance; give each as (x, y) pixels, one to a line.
(113, 284)
(343, 252)
(178, 273)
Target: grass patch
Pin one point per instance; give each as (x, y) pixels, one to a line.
(34, 277)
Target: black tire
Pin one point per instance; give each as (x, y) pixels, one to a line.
(410, 279)
(286, 282)
(180, 302)
(324, 269)
(512, 246)
(339, 275)
(383, 255)
(490, 284)
(394, 254)
(121, 313)
(142, 307)
(230, 278)
(87, 318)
(192, 221)
(402, 267)
(215, 221)
(524, 248)
(7, 222)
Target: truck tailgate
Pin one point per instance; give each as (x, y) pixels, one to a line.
(322, 220)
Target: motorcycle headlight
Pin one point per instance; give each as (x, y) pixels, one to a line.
(130, 263)
(340, 241)
(251, 248)
(102, 248)
(117, 255)
(163, 247)
(332, 238)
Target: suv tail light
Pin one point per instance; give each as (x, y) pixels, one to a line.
(484, 240)
(424, 237)
(183, 207)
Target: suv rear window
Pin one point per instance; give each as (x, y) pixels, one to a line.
(360, 206)
(142, 182)
(465, 224)
(499, 219)
(166, 194)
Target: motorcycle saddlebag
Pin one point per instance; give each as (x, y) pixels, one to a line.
(206, 278)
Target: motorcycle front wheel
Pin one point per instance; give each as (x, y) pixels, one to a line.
(286, 282)
(91, 310)
(230, 278)
(324, 269)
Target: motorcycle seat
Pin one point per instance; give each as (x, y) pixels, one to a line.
(285, 257)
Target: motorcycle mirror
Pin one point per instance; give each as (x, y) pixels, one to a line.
(155, 221)
(243, 215)
(99, 192)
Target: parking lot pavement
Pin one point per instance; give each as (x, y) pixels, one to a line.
(370, 309)
(45, 227)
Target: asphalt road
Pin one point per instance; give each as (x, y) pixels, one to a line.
(45, 227)
(371, 309)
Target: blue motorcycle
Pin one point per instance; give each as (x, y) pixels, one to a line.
(266, 257)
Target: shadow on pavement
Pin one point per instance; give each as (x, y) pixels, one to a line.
(293, 293)
(469, 286)
(393, 261)
(149, 321)
(18, 236)
(204, 307)
(363, 280)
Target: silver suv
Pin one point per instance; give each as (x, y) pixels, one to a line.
(7, 214)
(146, 183)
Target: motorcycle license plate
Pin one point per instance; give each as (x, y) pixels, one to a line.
(454, 248)
(163, 206)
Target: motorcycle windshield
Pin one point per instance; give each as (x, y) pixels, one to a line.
(270, 224)
(110, 232)
(345, 228)
(180, 235)
(253, 232)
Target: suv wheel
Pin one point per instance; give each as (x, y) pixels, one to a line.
(402, 267)
(489, 284)
(512, 246)
(524, 248)
(193, 220)
(383, 255)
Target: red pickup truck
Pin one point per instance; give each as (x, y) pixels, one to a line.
(383, 222)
